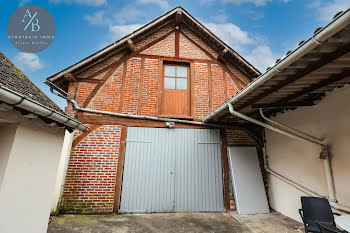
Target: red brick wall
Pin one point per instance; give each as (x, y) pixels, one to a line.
(165, 47)
(218, 85)
(91, 173)
(131, 89)
(201, 90)
(90, 180)
(189, 50)
(239, 137)
(149, 88)
(108, 97)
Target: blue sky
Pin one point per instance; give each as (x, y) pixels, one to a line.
(260, 30)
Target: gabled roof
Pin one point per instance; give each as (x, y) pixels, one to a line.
(172, 16)
(303, 76)
(14, 84)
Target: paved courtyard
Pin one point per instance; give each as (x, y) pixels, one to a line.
(169, 223)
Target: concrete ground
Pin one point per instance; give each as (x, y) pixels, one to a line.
(272, 222)
(152, 223)
(175, 223)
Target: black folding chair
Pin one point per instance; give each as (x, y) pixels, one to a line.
(316, 210)
(326, 229)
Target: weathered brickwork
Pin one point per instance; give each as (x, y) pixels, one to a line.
(149, 88)
(92, 70)
(231, 86)
(239, 137)
(161, 32)
(199, 41)
(218, 85)
(165, 47)
(91, 173)
(132, 84)
(189, 50)
(201, 90)
(108, 97)
(84, 90)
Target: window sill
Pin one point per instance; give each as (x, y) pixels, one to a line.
(177, 117)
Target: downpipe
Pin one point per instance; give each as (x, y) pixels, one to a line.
(305, 138)
(140, 117)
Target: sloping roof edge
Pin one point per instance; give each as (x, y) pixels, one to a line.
(123, 40)
(338, 23)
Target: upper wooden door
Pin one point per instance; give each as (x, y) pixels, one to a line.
(176, 95)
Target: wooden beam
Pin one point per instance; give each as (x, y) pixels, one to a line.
(282, 105)
(100, 119)
(120, 169)
(89, 80)
(193, 96)
(333, 78)
(325, 59)
(225, 169)
(112, 67)
(160, 87)
(83, 135)
(222, 65)
(178, 18)
(99, 85)
(141, 86)
(222, 54)
(70, 77)
(131, 45)
(188, 60)
(177, 44)
(121, 99)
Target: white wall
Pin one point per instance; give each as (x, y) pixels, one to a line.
(28, 184)
(7, 134)
(62, 169)
(298, 161)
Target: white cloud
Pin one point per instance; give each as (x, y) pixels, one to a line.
(127, 13)
(220, 18)
(255, 2)
(261, 57)
(326, 11)
(163, 4)
(82, 2)
(23, 2)
(96, 19)
(231, 34)
(28, 62)
(119, 31)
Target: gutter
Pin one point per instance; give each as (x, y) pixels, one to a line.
(293, 133)
(13, 98)
(169, 122)
(318, 38)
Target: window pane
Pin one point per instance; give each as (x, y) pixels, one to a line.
(181, 83)
(169, 71)
(169, 83)
(182, 71)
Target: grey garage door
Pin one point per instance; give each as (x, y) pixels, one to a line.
(172, 170)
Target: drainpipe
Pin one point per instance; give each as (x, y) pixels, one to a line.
(140, 117)
(306, 138)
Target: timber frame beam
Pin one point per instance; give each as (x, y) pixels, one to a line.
(327, 58)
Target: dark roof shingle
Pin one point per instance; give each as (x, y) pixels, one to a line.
(14, 79)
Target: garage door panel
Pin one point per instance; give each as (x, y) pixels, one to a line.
(179, 170)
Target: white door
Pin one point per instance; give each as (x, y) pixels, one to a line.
(172, 170)
(249, 190)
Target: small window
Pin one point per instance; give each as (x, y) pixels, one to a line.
(175, 77)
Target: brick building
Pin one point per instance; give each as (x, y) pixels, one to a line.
(143, 98)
